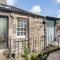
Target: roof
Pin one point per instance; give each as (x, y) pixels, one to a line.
(7, 8)
(52, 18)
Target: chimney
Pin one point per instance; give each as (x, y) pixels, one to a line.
(3, 2)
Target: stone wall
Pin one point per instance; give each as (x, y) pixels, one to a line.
(35, 31)
(16, 47)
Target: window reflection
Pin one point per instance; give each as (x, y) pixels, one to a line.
(3, 33)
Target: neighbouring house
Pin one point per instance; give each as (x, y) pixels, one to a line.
(17, 25)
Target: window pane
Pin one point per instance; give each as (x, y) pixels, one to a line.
(21, 24)
(21, 21)
(18, 33)
(18, 29)
(25, 21)
(18, 24)
(21, 33)
(24, 29)
(24, 33)
(25, 25)
(3, 33)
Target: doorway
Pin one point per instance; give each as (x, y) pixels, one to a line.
(50, 31)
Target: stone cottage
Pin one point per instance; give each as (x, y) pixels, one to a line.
(17, 25)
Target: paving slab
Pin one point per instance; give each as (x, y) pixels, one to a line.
(54, 56)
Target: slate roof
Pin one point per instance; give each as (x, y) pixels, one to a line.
(7, 8)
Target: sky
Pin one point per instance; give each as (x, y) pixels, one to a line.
(41, 7)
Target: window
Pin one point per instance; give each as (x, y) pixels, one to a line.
(21, 27)
(3, 32)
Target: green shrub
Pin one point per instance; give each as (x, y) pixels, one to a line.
(43, 57)
(33, 57)
(40, 57)
(25, 50)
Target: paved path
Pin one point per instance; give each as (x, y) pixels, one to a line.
(54, 56)
(2, 57)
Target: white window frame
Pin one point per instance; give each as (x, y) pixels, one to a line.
(21, 27)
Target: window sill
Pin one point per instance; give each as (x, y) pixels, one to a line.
(21, 36)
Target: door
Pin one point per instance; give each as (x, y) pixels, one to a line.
(49, 31)
(3, 33)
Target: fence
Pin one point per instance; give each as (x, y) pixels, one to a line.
(34, 44)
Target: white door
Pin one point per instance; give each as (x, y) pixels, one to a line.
(3, 33)
(49, 31)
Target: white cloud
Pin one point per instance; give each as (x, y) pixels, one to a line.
(36, 9)
(57, 1)
(58, 16)
(10, 2)
(58, 13)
